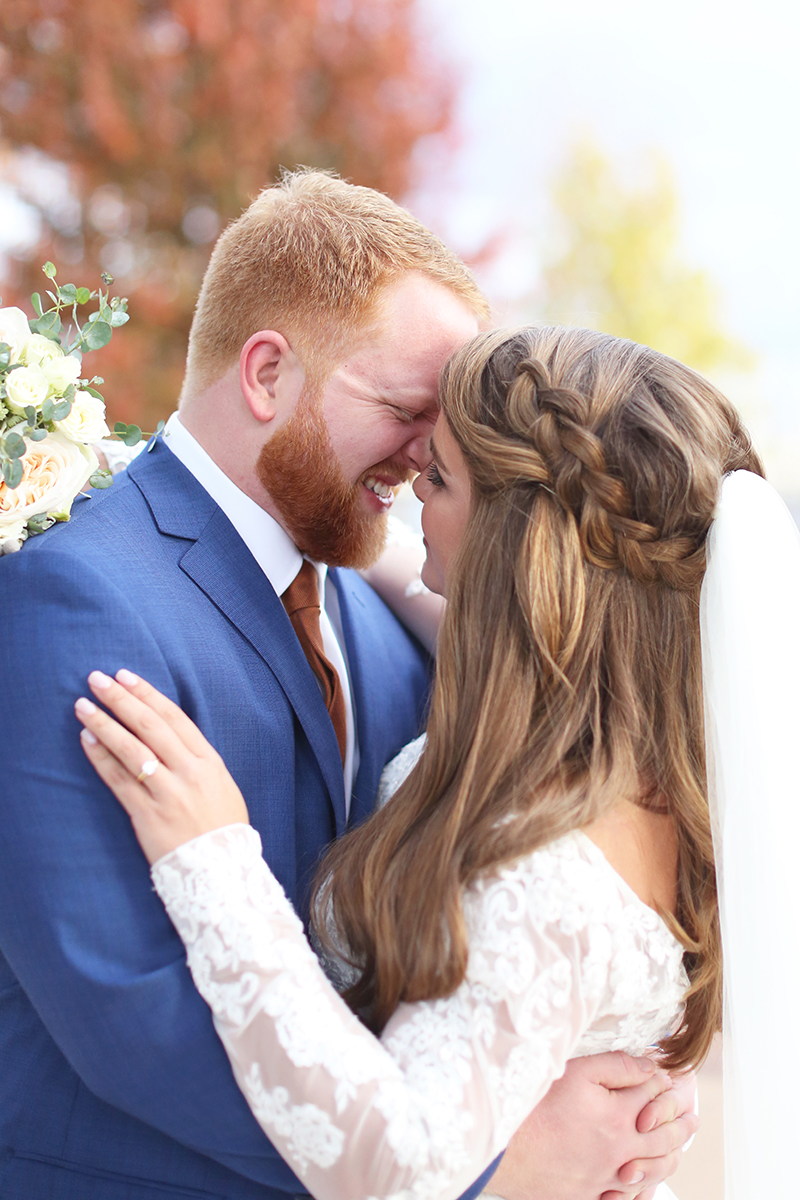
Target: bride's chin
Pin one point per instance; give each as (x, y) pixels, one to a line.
(431, 578)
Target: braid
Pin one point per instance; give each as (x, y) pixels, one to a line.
(548, 439)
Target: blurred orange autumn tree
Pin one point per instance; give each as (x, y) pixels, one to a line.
(169, 116)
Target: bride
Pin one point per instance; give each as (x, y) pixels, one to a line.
(542, 884)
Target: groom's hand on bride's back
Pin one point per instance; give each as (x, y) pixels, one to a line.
(611, 1127)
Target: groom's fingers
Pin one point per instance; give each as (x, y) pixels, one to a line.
(150, 729)
(174, 716)
(663, 1149)
(616, 1069)
(666, 1107)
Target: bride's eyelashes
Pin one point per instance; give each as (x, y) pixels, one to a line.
(433, 476)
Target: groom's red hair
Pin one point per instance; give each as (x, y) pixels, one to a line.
(310, 258)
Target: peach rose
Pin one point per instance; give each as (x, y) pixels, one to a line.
(53, 472)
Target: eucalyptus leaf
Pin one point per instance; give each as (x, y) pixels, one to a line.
(68, 292)
(96, 335)
(133, 436)
(94, 392)
(14, 445)
(30, 413)
(37, 435)
(36, 301)
(49, 325)
(12, 473)
(47, 410)
(5, 354)
(101, 479)
(62, 410)
(154, 435)
(83, 295)
(119, 318)
(39, 524)
(49, 270)
(120, 427)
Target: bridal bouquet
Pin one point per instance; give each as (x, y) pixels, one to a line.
(49, 414)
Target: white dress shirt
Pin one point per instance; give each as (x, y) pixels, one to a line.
(279, 559)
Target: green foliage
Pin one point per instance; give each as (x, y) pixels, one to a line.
(101, 479)
(617, 265)
(131, 435)
(40, 523)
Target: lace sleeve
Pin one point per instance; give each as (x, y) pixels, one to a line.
(422, 1111)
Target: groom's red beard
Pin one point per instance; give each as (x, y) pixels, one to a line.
(320, 509)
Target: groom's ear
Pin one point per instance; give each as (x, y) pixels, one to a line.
(270, 375)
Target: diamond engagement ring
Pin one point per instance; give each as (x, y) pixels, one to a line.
(148, 769)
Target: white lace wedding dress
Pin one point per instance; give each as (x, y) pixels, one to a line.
(564, 960)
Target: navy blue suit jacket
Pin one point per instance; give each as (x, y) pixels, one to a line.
(113, 1085)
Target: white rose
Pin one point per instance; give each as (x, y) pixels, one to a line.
(61, 372)
(12, 535)
(14, 331)
(53, 472)
(86, 420)
(38, 350)
(26, 387)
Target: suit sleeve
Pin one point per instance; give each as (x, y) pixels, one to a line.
(79, 924)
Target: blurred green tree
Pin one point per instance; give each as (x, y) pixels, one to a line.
(616, 265)
(169, 116)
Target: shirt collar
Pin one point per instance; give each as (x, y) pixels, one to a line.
(267, 541)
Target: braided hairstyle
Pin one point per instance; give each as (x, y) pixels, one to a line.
(569, 672)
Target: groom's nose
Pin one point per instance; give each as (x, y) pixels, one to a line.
(417, 450)
(418, 453)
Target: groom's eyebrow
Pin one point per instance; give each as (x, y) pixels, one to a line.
(437, 458)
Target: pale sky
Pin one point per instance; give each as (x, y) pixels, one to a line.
(715, 86)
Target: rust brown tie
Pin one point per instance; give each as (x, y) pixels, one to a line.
(301, 601)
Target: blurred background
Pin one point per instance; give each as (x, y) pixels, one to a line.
(627, 165)
(631, 166)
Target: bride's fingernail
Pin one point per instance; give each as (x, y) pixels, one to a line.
(638, 1177)
(88, 737)
(127, 678)
(85, 706)
(99, 680)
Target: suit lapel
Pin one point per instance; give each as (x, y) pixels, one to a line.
(220, 564)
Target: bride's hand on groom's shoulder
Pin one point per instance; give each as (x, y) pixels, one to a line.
(168, 778)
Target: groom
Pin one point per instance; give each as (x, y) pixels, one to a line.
(310, 392)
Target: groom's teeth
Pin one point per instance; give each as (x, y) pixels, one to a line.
(380, 489)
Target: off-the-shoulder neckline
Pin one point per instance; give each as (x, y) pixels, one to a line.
(597, 854)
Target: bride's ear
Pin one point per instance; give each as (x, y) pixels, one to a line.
(270, 375)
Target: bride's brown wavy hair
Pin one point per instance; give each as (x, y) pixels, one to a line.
(569, 671)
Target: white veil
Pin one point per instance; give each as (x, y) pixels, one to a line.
(750, 626)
